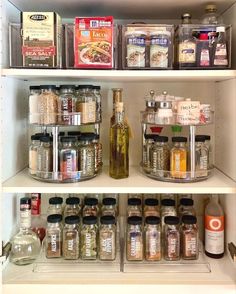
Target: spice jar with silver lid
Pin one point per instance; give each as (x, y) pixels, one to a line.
(134, 239)
(88, 238)
(190, 243)
(86, 155)
(72, 206)
(67, 104)
(134, 207)
(54, 236)
(107, 238)
(90, 207)
(152, 236)
(71, 237)
(171, 238)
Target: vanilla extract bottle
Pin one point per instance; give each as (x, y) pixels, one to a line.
(119, 145)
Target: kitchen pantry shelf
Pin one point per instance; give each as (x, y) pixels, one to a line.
(120, 75)
(135, 183)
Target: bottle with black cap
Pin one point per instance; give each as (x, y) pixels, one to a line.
(90, 207)
(72, 206)
(134, 239)
(55, 205)
(33, 154)
(54, 236)
(201, 157)
(149, 140)
(178, 158)
(107, 237)
(186, 207)
(67, 104)
(151, 207)
(171, 238)
(87, 155)
(70, 247)
(89, 238)
(134, 207)
(189, 237)
(25, 244)
(109, 206)
(167, 209)
(152, 237)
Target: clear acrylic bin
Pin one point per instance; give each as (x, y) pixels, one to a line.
(19, 52)
(147, 46)
(204, 48)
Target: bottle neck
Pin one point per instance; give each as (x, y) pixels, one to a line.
(119, 117)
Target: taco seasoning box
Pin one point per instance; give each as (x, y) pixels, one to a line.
(93, 42)
(41, 39)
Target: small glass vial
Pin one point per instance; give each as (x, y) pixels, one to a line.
(33, 154)
(88, 238)
(72, 206)
(134, 207)
(86, 155)
(186, 207)
(134, 239)
(90, 207)
(35, 91)
(167, 209)
(71, 237)
(152, 236)
(109, 206)
(149, 140)
(171, 238)
(190, 243)
(54, 236)
(55, 205)
(202, 157)
(151, 207)
(178, 158)
(107, 238)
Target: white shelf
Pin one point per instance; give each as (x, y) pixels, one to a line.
(120, 75)
(135, 183)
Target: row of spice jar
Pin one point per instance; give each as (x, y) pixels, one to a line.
(88, 241)
(80, 155)
(65, 105)
(161, 160)
(151, 243)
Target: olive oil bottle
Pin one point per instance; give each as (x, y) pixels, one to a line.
(117, 97)
(119, 145)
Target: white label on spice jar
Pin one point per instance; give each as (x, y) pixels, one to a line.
(70, 245)
(136, 52)
(88, 240)
(135, 246)
(172, 246)
(54, 243)
(177, 162)
(107, 245)
(191, 245)
(203, 162)
(88, 110)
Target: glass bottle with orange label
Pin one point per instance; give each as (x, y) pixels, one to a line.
(178, 158)
(214, 229)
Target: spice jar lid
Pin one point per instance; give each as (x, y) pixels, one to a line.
(152, 220)
(171, 220)
(109, 201)
(73, 200)
(25, 200)
(35, 137)
(87, 136)
(85, 87)
(72, 219)
(68, 139)
(200, 138)
(90, 201)
(134, 201)
(34, 87)
(61, 134)
(90, 220)
(54, 218)
(55, 200)
(162, 139)
(42, 134)
(151, 202)
(186, 201)
(45, 139)
(168, 202)
(108, 220)
(179, 139)
(189, 219)
(67, 87)
(148, 136)
(48, 87)
(207, 137)
(74, 133)
(97, 87)
(134, 220)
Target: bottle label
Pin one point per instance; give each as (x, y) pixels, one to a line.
(205, 57)
(214, 234)
(187, 52)
(221, 55)
(35, 203)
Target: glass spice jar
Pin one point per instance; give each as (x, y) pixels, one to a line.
(86, 104)
(152, 236)
(86, 156)
(134, 207)
(107, 238)
(71, 237)
(160, 156)
(35, 91)
(178, 158)
(171, 238)
(55, 205)
(109, 206)
(54, 236)
(67, 104)
(190, 243)
(33, 154)
(72, 206)
(98, 152)
(98, 96)
(167, 209)
(88, 237)
(151, 207)
(186, 207)
(149, 140)
(134, 239)
(201, 157)
(90, 207)
(48, 105)
(44, 160)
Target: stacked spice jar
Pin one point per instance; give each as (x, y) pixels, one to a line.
(87, 232)
(60, 158)
(153, 232)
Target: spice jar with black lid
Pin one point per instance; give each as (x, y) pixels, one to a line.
(171, 238)
(152, 237)
(88, 238)
(54, 236)
(55, 205)
(149, 140)
(186, 207)
(71, 237)
(109, 206)
(72, 206)
(67, 104)
(134, 239)
(190, 243)
(167, 209)
(90, 207)
(151, 207)
(107, 238)
(87, 155)
(134, 207)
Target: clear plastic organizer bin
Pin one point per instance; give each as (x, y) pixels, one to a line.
(147, 46)
(102, 54)
(26, 53)
(203, 46)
